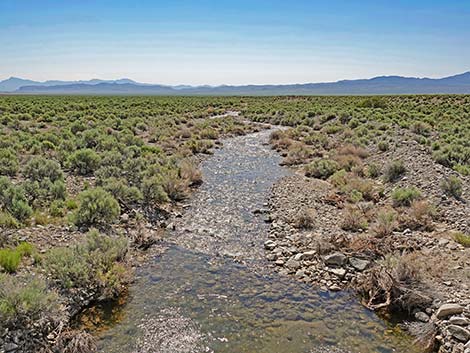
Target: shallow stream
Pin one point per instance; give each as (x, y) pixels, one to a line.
(212, 291)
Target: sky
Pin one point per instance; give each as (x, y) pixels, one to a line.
(233, 42)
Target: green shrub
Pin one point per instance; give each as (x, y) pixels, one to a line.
(200, 146)
(452, 186)
(13, 200)
(405, 196)
(67, 267)
(153, 191)
(71, 204)
(321, 168)
(27, 299)
(394, 171)
(339, 178)
(57, 208)
(10, 259)
(8, 221)
(91, 263)
(40, 168)
(385, 224)
(85, 161)
(57, 190)
(462, 169)
(421, 128)
(209, 134)
(373, 170)
(9, 164)
(125, 194)
(462, 239)
(25, 249)
(97, 208)
(355, 196)
(383, 146)
(373, 102)
(354, 123)
(20, 209)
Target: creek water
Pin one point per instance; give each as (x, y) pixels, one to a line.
(212, 291)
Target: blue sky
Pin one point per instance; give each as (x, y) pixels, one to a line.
(232, 42)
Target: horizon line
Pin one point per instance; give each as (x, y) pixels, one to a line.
(77, 81)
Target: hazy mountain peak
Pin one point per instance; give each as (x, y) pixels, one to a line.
(392, 84)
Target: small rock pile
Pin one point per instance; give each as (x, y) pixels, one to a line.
(453, 322)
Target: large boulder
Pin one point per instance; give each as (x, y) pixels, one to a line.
(446, 310)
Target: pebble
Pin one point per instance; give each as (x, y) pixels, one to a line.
(359, 264)
(420, 316)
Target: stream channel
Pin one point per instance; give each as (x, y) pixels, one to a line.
(212, 290)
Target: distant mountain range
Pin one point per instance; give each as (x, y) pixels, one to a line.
(458, 84)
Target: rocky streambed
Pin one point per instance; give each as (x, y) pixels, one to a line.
(211, 289)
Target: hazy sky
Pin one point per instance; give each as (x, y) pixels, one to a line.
(233, 42)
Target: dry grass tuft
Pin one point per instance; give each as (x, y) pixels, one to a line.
(394, 283)
(353, 219)
(420, 215)
(385, 223)
(75, 342)
(189, 171)
(353, 150)
(305, 218)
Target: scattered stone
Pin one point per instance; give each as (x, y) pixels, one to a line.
(337, 259)
(293, 264)
(460, 333)
(308, 255)
(334, 288)
(270, 245)
(11, 347)
(459, 320)
(443, 242)
(420, 316)
(448, 309)
(340, 272)
(359, 264)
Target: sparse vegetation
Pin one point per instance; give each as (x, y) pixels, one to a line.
(25, 300)
(405, 196)
(305, 219)
(10, 258)
(462, 239)
(353, 219)
(394, 171)
(322, 168)
(97, 208)
(125, 161)
(452, 186)
(95, 263)
(385, 223)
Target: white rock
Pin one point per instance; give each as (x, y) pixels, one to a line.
(340, 272)
(446, 310)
